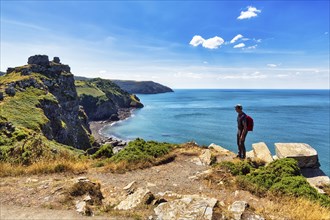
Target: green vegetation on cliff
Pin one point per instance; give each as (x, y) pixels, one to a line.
(142, 87)
(39, 113)
(102, 98)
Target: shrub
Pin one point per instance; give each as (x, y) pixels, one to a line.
(141, 150)
(240, 168)
(104, 151)
(281, 177)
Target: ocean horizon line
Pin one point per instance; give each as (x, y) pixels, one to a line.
(242, 89)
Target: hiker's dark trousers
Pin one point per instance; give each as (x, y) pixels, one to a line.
(241, 144)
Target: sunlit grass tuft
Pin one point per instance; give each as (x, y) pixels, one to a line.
(44, 167)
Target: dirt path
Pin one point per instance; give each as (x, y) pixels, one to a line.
(21, 213)
(43, 196)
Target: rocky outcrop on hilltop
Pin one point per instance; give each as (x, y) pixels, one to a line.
(50, 86)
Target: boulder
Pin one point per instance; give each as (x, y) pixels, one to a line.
(188, 207)
(250, 154)
(220, 149)
(205, 157)
(84, 188)
(303, 153)
(41, 60)
(316, 178)
(140, 196)
(262, 152)
(10, 69)
(131, 187)
(237, 209)
(56, 60)
(10, 90)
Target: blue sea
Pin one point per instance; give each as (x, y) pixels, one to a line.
(208, 116)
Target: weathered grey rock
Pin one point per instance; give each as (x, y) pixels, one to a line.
(188, 207)
(220, 149)
(237, 209)
(56, 60)
(197, 161)
(262, 152)
(83, 208)
(250, 154)
(41, 60)
(303, 153)
(131, 187)
(316, 178)
(10, 90)
(140, 196)
(205, 157)
(10, 69)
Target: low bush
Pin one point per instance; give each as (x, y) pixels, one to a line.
(104, 151)
(281, 177)
(141, 154)
(141, 150)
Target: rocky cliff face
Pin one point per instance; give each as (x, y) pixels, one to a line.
(102, 98)
(50, 87)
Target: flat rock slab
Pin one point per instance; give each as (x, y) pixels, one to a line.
(188, 207)
(316, 178)
(140, 196)
(262, 152)
(303, 153)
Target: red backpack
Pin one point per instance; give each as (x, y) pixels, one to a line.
(249, 123)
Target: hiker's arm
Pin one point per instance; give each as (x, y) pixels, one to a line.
(243, 134)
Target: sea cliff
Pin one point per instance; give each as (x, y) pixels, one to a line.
(41, 98)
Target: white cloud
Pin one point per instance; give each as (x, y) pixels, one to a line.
(271, 65)
(251, 47)
(211, 43)
(240, 45)
(197, 40)
(236, 38)
(250, 13)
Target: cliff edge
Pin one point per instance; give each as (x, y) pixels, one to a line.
(41, 98)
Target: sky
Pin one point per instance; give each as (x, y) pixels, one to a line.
(182, 44)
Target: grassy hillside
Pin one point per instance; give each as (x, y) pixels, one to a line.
(39, 113)
(142, 87)
(102, 98)
(21, 123)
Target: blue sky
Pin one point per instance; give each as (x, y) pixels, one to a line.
(181, 44)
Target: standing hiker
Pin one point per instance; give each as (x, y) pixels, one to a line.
(241, 131)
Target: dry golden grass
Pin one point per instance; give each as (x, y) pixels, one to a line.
(124, 166)
(44, 167)
(293, 208)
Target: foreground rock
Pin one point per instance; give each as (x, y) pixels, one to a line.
(316, 178)
(262, 152)
(305, 155)
(86, 194)
(139, 196)
(188, 207)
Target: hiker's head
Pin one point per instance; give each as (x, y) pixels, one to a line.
(238, 108)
